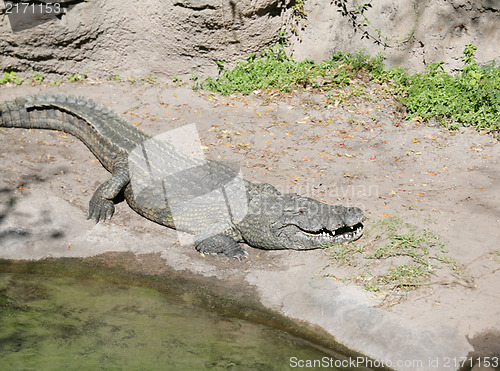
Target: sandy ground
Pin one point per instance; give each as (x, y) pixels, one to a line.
(360, 152)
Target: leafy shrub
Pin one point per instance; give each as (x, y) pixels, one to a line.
(470, 97)
(360, 60)
(11, 77)
(36, 79)
(274, 69)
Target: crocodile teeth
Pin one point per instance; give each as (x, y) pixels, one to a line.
(344, 233)
(325, 235)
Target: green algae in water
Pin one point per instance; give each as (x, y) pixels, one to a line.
(61, 323)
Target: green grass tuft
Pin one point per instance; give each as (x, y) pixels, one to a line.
(394, 258)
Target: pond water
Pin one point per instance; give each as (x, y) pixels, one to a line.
(86, 322)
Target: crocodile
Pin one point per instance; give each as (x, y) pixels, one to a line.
(205, 198)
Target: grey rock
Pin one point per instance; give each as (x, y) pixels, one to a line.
(138, 38)
(418, 32)
(165, 38)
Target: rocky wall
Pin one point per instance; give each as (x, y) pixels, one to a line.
(150, 37)
(175, 37)
(418, 32)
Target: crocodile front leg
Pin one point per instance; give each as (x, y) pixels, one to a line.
(220, 244)
(101, 205)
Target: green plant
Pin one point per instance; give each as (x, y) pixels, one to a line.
(299, 9)
(36, 79)
(11, 77)
(344, 253)
(275, 69)
(282, 38)
(393, 258)
(360, 60)
(355, 14)
(406, 275)
(470, 97)
(410, 244)
(369, 286)
(452, 263)
(56, 82)
(116, 78)
(220, 65)
(152, 80)
(77, 77)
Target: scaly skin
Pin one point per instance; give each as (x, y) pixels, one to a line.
(203, 197)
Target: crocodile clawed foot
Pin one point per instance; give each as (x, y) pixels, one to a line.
(219, 244)
(100, 210)
(240, 254)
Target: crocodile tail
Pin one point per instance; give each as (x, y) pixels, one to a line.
(100, 129)
(85, 119)
(55, 112)
(41, 112)
(13, 114)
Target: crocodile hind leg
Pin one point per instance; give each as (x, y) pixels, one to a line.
(101, 205)
(220, 244)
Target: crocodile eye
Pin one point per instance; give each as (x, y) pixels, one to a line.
(302, 211)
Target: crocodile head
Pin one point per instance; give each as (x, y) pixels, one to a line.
(301, 223)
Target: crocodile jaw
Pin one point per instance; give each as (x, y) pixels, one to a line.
(330, 237)
(305, 223)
